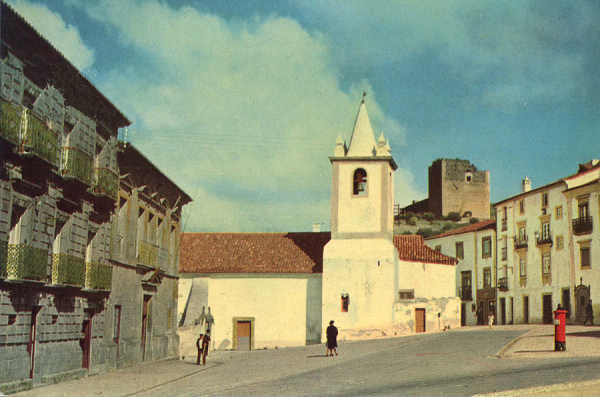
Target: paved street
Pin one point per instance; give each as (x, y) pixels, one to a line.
(456, 363)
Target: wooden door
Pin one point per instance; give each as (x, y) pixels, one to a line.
(463, 314)
(547, 309)
(145, 322)
(32, 338)
(512, 310)
(526, 309)
(86, 341)
(582, 297)
(244, 336)
(502, 311)
(420, 320)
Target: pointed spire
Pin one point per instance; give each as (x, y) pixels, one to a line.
(362, 142)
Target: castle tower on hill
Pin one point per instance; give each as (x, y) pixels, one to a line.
(458, 186)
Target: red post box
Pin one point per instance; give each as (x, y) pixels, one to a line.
(560, 329)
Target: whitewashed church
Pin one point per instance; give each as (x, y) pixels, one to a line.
(268, 290)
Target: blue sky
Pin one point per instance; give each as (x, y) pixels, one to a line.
(240, 102)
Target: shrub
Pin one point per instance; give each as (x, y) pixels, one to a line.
(473, 220)
(428, 216)
(426, 232)
(407, 232)
(412, 220)
(453, 216)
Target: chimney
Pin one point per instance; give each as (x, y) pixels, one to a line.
(316, 227)
(526, 185)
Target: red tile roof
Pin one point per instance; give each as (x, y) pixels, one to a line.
(278, 252)
(252, 252)
(489, 224)
(411, 247)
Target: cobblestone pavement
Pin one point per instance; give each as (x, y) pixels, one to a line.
(233, 372)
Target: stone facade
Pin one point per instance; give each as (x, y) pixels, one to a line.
(59, 186)
(458, 186)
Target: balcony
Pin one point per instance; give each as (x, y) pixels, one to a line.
(504, 225)
(23, 262)
(106, 183)
(465, 293)
(98, 276)
(504, 253)
(41, 141)
(583, 225)
(10, 122)
(68, 270)
(503, 284)
(520, 242)
(544, 239)
(77, 164)
(147, 254)
(164, 259)
(3, 254)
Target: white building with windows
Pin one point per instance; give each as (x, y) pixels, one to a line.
(474, 246)
(547, 234)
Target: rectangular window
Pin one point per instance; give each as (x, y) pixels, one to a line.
(522, 207)
(583, 209)
(522, 267)
(584, 253)
(522, 233)
(465, 285)
(405, 294)
(116, 323)
(460, 250)
(544, 200)
(545, 231)
(558, 212)
(487, 277)
(486, 247)
(345, 302)
(546, 264)
(559, 242)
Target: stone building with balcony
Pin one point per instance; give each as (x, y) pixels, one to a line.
(547, 234)
(474, 247)
(59, 186)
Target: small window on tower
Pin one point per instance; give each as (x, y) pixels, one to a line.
(360, 182)
(345, 302)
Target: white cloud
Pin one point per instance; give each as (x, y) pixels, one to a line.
(242, 115)
(51, 25)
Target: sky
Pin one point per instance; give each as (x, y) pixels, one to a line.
(240, 102)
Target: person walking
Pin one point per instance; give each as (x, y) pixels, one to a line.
(205, 345)
(199, 344)
(589, 314)
(332, 333)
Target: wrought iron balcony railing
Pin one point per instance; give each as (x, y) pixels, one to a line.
(147, 254)
(106, 183)
(520, 242)
(10, 121)
(583, 225)
(77, 164)
(465, 293)
(3, 255)
(544, 238)
(68, 270)
(24, 262)
(40, 140)
(98, 276)
(503, 284)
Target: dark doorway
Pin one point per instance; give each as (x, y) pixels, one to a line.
(526, 309)
(566, 301)
(547, 309)
(502, 311)
(420, 320)
(463, 314)
(145, 323)
(582, 298)
(512, 310)
(32, 338)
(86, 341)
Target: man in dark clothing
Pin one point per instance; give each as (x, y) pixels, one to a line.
(589, 314)
(332, 333)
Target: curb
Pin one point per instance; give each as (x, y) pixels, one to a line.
(502, 351)
(575, 387)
